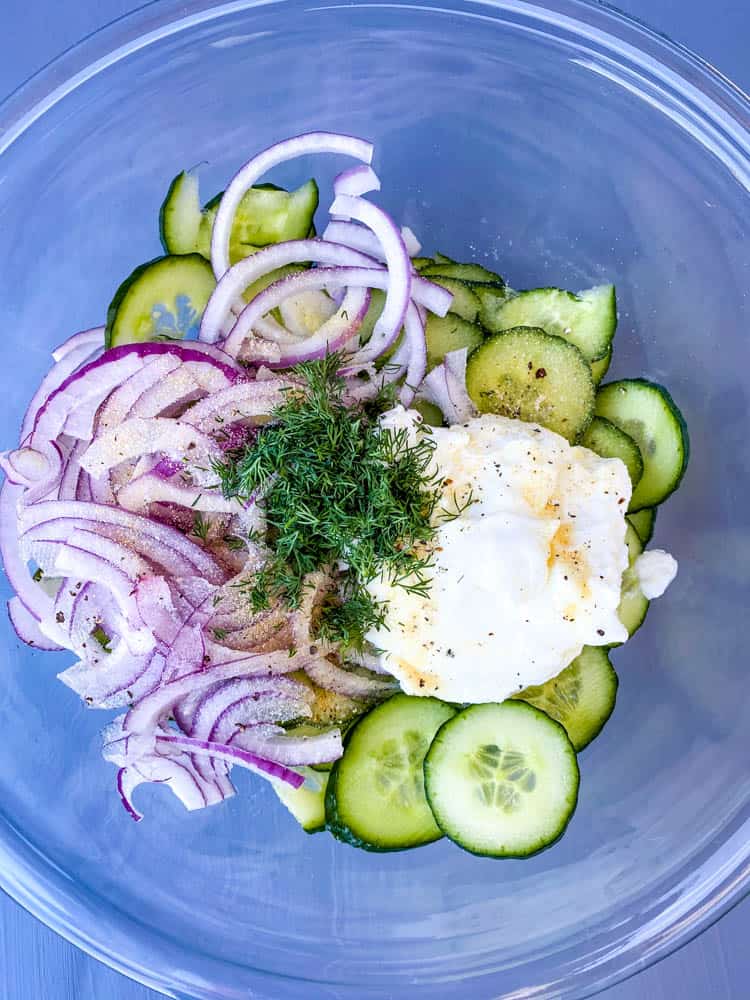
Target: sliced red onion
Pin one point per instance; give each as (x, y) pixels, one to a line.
(90, 339)
(358, 237)
(25, 466)
(150, 488)
(332, 336)
(397, 262)
(66, 363)
(164, 557)
(356, 181)
(116, 679)
(32, 596)
(242, 401)
(178, 773)
(445, 386)
(234, 755)
(143, 717)
(289, 749)
(119, 405)
(330, 277)
(226, 707)
(413, 246)
(94, 558)
(27, 627)
(270, 258)
(156, 607)
(152, 533)
(347, 682)
(139, 435)
(416, 346)
(254, 169)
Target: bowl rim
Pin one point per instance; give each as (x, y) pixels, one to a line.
(47, 894)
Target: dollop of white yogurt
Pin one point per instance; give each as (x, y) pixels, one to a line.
(526, 575)
(655, 570)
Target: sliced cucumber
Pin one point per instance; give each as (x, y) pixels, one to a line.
(375, 796)
(529, 374)
(306, 803)
(587, 320)
(604, 439)
(600, 368)
(430, 413)
(267, 214)
(180, 214)
(449, 333)
(464, 272)
(581, 698)
(643, 521)
(377, 301)
(164, 298)
(492, 298)
(633, 605)
(465, 302)
(647, 412)
(502, 780)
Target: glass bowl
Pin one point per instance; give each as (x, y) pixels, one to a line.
(564, 144)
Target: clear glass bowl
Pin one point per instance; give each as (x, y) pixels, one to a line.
(565, 144)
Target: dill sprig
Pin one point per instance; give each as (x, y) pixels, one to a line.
(339, 491)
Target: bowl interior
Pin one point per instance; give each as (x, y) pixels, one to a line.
(514, 136)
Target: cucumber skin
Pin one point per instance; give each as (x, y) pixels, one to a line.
(521, 856)
(125, 287)
(677, 414)
(595, 730)
(339, 829)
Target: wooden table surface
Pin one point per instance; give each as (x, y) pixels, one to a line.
(36, 964)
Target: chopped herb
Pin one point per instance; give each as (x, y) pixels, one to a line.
(234, 542)
(37, 575)
(102, 638)
(337, 488)
(220, 634)
(200, 526)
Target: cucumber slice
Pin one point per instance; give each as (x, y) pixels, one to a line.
(465, 302)
(180, 214)
(267, 214)
(449, 333)
(306, 803)
(647, 412)
(375, 797)
(464, 272)
(502, 780)
(164, 298)
(643, 521)
(600, 368)
(531, 375)
(587, 320)
(377, 301)
(492, 298)
(604, 439)
(431, 414)
(581, 698)
(633, 605)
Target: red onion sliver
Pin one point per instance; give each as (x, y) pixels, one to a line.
(253, 170)
(397, 262)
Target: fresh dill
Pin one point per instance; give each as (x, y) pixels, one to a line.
(339, 490)
(201, 526)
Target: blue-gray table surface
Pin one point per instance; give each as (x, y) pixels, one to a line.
(36, 964)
